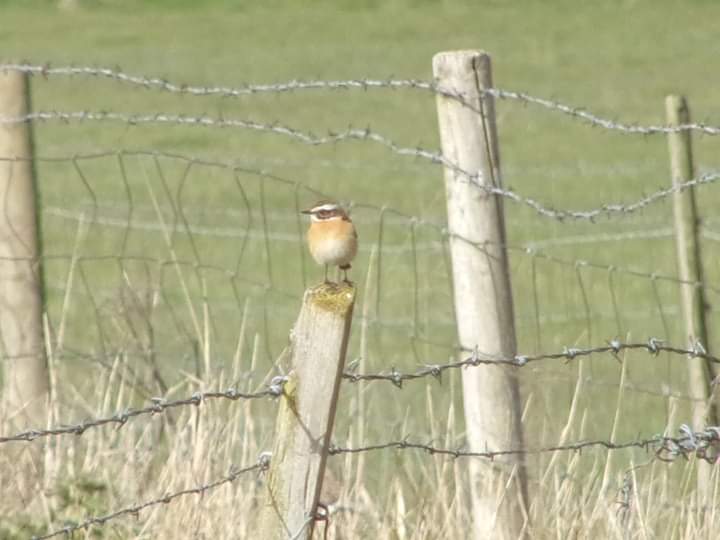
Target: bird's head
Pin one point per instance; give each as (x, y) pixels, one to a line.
(325, 211)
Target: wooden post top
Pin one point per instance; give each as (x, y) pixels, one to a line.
(333, 297)
(307, 412)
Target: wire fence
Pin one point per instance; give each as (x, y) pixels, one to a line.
(233, 475)
(664, 448)
(357, 84)
(371, 136)
(90, 215)
(397, 378)
(159, 406)
(163, 267)
(701, 444)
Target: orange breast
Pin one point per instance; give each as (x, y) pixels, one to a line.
(332, 242)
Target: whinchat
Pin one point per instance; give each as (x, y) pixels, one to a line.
(332, 238)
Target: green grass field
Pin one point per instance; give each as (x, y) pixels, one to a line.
(126, 313)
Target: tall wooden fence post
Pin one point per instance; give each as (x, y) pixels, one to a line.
(483, 298)
(307, 413)
(25, 380)
(689, 263)
(25, 375)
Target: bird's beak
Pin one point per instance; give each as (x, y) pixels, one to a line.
(306, 211)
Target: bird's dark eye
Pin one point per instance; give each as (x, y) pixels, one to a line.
(323, 214)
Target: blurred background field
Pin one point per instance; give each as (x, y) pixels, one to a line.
(165, 274)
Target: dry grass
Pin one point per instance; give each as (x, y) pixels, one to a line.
(170, 329)
(386, 495)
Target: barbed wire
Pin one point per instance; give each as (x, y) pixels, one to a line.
(309, 138)
(653, 346)
(367, 134)
(529, 249)
(359, 84)
(560, 215)
(220, 91)
(614, 347)
(594, 120)
(160, 405)
(262, 465)
(611, 208)
(666, 448)
(702, 444)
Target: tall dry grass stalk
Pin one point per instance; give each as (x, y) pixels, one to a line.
(387, 494)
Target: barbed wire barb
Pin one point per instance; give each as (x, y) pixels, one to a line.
(652, 346)
(159, 83)
(134, 510)
(703, 444)
(159, 405)
(354, 134)
(257, 196)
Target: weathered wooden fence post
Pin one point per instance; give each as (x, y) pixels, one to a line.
(25, 379)
(307, 413)
(483, 298)
(689, 263)
(25, 376)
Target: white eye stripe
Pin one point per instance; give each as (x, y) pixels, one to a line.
(325, 207)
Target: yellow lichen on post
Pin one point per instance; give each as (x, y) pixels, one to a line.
(276, 505)
(333, 297)
(307, 412)
(288, 404)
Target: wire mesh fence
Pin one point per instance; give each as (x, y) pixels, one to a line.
(170, 275)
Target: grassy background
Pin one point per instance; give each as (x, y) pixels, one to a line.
(182, 322)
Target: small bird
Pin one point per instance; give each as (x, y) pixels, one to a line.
(332, 238)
